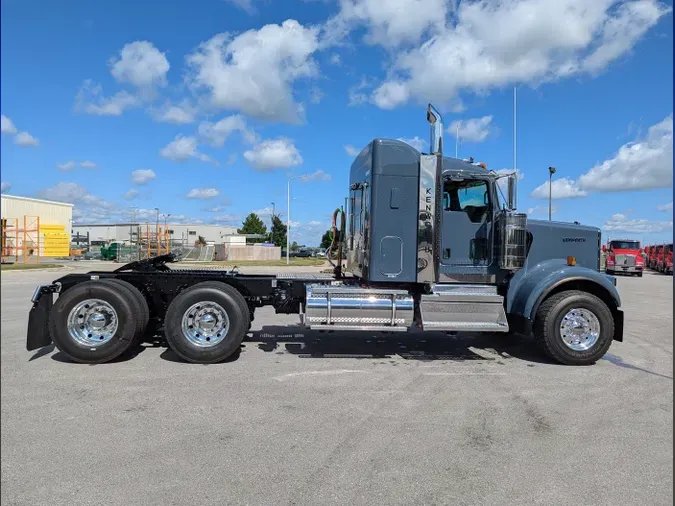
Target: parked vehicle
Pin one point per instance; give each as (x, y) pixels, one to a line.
(111, 251)
(664, 260)
(429, 246)
(625, 256)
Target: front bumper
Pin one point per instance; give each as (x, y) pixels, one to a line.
(38, 318)
(624, 268)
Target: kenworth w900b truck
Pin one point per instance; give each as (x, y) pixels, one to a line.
(426, 245)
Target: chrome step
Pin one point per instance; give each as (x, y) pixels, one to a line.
(477, 308)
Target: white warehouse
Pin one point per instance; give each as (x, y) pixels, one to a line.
(184, 234)
(44, 221)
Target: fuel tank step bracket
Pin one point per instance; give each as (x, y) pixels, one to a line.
(471, 308)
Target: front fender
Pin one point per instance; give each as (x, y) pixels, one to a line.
(530, 287)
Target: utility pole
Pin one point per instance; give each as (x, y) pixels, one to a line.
(551, 171)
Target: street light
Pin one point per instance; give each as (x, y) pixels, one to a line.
(288, 218)
(551, 171)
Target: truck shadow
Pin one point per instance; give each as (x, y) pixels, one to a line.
(428, 346)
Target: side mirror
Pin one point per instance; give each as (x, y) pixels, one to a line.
(512, 192)
(604, 248)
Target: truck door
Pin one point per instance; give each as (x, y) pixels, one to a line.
(466, 223)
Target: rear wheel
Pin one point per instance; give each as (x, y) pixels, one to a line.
(574, 327)
(93, 322)
(207, 322)
(139, 303)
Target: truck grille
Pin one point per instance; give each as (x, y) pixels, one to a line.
(628, 260)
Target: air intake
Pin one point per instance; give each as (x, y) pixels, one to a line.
(512, 240)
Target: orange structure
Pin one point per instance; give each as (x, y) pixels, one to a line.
(154, 243)
(21, 240)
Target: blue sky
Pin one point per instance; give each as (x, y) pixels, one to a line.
(205, 108)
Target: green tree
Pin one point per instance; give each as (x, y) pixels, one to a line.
(294, 246)
(326, 239)
(253, 225)
(278, 233)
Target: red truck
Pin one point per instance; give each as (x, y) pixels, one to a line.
(624, 255)
(664, 260)
(653, 256)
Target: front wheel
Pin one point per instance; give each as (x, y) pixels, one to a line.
(574, 327)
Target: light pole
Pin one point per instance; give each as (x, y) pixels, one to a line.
(551, 171)
(288, 218)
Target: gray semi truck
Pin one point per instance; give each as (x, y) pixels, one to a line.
(427, 243)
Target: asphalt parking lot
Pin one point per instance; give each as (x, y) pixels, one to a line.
(294, 420)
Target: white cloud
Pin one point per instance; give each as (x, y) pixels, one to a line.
(470, 50)
(227, 219)
(666, 208)
(318, 175)
(254, 72)
(202, 193)
(637, 165)
(316, 95)
(388, 23)
(351, 150)
(88, 165)
(357, 94)
(91, 100)
(131, 194)
(562, 188)
(178, 114)
(390, 95)
(6, 125)
(271, 154)
(141, 64)
(183, 148)
(26, 140)
(73, 193)
(142, 176)
(543, 210)
(5, 186)
(217, 133)
(417, 143)
(245, 5)
(67, 166)
(622, 223)
(473, 129)
(335, 59)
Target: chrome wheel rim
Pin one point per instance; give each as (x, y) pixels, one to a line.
(205, 324)
(580, 329)
(92, 322)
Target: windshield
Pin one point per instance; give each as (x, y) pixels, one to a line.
(625, 244)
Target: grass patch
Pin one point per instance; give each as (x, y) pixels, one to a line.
(304, 262)
(27, 267)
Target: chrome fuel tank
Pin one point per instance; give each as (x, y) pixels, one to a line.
(355, 308)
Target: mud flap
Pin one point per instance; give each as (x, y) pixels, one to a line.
(618, 325)
(38, 323)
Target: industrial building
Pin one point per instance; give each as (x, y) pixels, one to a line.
(180, 234)
(35, 227)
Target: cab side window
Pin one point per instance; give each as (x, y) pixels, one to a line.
(469, 196)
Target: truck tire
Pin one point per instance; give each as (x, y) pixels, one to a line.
(639, 274)
(94, 322)
(207, 322)
(561, 315)
(139, 303)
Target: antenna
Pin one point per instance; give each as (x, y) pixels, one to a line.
(457, 143)
(515, 166)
